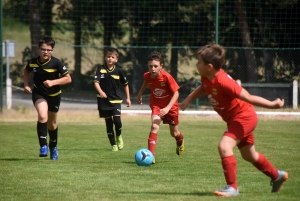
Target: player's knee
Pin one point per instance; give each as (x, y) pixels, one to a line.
(117, 122)
(154, 128)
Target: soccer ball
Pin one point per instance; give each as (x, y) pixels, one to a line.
(144, 157)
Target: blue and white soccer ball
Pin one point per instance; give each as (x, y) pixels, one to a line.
(144, 157)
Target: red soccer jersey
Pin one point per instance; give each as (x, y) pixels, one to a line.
(223, 93)
(162, 90)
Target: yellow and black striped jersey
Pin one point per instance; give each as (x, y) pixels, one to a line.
(111, 82)
(50, 70)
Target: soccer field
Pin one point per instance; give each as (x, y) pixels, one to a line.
(87, 169)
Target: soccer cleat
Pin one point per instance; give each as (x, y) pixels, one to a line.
(180, 148)
(53, 154)
(120, 143)
(114, 148)
(153, 161)
(44, 151)
(227, 191)
(276, 184)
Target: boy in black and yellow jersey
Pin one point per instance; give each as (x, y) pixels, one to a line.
(48, 74)
(108, 82)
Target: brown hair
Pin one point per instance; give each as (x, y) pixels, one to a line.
(155, 56)
(46, 40)
(112, 50)
(212, 54)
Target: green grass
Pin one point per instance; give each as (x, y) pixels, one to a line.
(87, 169)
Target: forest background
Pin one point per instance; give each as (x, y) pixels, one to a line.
(261, 38)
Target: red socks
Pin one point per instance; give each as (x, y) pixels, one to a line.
(229, 168)
(263, 165)
(179, 139)
(152, 142)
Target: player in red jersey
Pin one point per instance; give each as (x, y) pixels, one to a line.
(235, 105)
(163, 102)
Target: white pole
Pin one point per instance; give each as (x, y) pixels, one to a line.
(295, 94)
(8, 93)
(8, 80)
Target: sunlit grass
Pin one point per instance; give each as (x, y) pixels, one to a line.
(87, 169)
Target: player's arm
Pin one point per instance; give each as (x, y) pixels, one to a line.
(260, 101)
(197, 93)
(99, 90)
(26, 77)
(128, 101)
(139, 96)
(65, 79)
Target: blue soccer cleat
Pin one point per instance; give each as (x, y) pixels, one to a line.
(53, 154)
(44, 151)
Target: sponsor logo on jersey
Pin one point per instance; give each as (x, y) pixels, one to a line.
(158, 92)
(102, 76)
(214, 91)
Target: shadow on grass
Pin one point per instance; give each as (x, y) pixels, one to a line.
(20, 159)
(172, 193)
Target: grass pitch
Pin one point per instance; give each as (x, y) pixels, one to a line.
(87, 169)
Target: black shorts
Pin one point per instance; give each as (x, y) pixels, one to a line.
(52, 101)
(110, 113)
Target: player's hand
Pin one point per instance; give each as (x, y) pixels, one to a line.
(48, 83)
(103, 95)
(139, 100)
(163, 112)
(183, 105)
(278, 103)
(27, 89)
(128, 102)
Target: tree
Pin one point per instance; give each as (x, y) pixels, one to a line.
(35, 26)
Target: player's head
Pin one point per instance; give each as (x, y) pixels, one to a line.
(45, 47)
(155, 64)
(111, 56)
(47, 40)
(210, 57)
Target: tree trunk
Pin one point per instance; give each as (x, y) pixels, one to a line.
(245, 34)
(48, 17)
(35, 26)
(173, 62)
(77, 48)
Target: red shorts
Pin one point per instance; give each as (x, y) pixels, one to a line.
(242, 128)
(171, 118)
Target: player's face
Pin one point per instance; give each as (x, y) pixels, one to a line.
(111, 59)
(45, 52)
(154, 67)
(202, 67)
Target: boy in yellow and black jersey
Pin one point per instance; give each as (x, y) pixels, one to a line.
(48, 74)
(109, 80)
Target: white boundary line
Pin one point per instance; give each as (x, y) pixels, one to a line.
(294, 114)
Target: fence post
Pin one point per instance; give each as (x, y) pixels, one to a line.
(295, 94)
(197, 99)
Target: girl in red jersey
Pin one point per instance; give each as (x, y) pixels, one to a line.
(235, 105)
(163, 102)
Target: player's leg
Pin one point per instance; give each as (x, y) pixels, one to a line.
(228, 161)
(174, 131)
(41, 107)
(259, 161)
(152, 139)
(118, 127)
(53, 107)
(53, 134)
